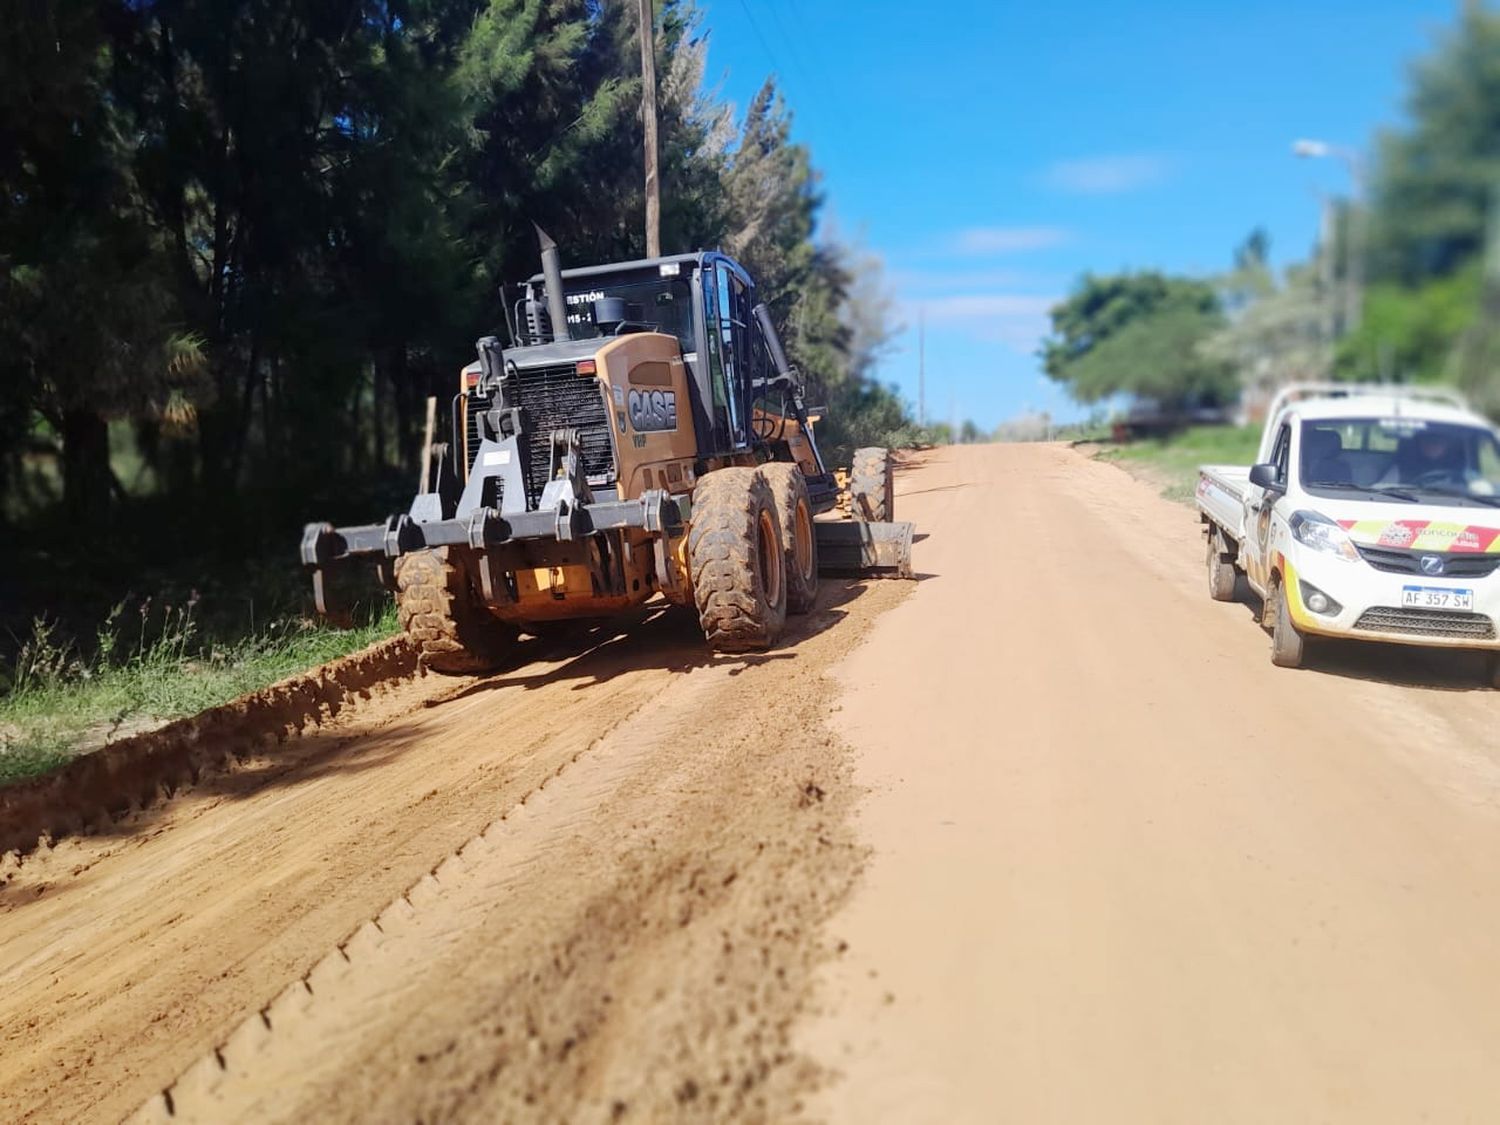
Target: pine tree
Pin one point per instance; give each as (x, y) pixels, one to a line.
(262, 231)
(87, 330)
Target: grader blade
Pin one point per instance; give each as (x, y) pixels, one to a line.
(877, 550)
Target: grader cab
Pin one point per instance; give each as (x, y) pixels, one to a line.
(642, 435)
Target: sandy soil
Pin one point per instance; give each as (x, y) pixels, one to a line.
(1126, 870)
(589, 888)
(1041, 837)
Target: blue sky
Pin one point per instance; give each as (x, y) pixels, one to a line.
(991, 152)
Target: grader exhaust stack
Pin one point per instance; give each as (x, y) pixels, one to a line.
(557, 306)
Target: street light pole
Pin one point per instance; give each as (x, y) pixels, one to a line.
(1354, 236)
(1326, 227)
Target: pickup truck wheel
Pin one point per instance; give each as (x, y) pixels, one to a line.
(1492, 669)
(1221, 574)
(1287, 644)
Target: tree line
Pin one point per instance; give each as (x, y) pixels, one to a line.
(241, 241)
(1403, 285)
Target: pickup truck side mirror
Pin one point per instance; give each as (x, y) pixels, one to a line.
(1265, 476)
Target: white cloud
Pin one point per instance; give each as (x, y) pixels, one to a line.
(1108, 175)
(1008, 240)
(1018, 320)
(924, 283)
(971, 306)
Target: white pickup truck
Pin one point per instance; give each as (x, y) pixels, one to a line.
(1372, 513)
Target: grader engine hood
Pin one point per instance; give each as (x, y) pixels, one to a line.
(543, 430)
(626, 398)
(523, 397)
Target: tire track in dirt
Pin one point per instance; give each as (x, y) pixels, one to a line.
(555, 1025)
(101, 788)
(124, 950)
(1131, 851)
(127, 956)
(259, 1066)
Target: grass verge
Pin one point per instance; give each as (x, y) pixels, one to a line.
(59, 704)
(1172, 462)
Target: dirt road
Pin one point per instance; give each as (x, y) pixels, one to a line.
(1125, 869)
(583, 889)
(1043, 837)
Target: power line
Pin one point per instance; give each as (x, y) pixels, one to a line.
(755, 27)
(790, 40)
(813, 78)
(801, 20)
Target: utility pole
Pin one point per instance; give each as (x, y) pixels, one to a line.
(1354, 260)
(921, 367)
(648, 115)
(1326, 238)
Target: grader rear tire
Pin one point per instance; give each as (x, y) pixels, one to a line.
(440, 611)
(872, 486)
(737, 561)
(789, 489)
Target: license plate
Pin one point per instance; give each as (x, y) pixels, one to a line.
(1436, 597)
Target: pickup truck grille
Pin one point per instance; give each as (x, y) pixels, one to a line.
(1456, 564)
(1427, 623)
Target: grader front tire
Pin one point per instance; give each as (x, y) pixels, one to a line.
(872, 486)
(737, 561)
(440, 611)
(794, 509)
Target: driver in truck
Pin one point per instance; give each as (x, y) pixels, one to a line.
(1431, 456)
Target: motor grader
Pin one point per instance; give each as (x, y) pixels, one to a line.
(642, 434)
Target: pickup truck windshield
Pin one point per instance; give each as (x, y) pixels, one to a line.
(1441, 462)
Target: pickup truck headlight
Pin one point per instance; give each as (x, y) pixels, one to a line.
(1315, 530)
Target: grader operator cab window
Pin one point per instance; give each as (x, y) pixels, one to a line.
(666, 304)
(706, 301)
(729, 326)
(713, 346)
